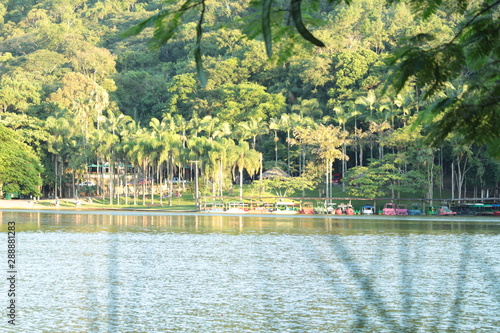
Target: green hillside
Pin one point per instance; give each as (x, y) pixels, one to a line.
(402, 98)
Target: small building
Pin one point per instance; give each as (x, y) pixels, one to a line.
(275, 173)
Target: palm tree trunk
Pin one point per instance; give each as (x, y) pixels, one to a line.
(102, 179)
(430, 180)
(330, 177)
(152, 186)
(327, 195)
(118, 184)
(126, 183)
(221, 179)
(360, 155)
(111, 167)
(55, 174)
(170, 177)
(241, 183)
(275, 148)
(135, 186)
(73, 184)
(288, 149)
(60, 179)
(160, 182)
(144, 171)
(344, 165)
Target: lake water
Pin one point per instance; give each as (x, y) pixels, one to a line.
(149, 272)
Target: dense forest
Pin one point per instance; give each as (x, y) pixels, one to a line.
(79, 93)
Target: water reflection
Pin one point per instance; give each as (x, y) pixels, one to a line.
(151, 222)
(204, 273)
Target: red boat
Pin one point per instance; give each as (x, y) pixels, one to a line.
(444, 210)
(307, 208)
(497, 213)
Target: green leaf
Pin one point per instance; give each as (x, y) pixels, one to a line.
(301, 28)
(197, 50)
(266, 26)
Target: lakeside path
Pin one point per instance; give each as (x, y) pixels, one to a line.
(30, 205)
(24, 204)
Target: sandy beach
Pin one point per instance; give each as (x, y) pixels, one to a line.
(24, 204)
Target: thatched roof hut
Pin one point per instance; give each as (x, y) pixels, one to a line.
(274, 172)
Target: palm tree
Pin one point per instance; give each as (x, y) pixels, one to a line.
(384, 113)
(342, 117)
(194, 125)
(212, 165)
(112, 126)
(246, 159)
(159, 153)
(144, 146)
(165, 148)
(326, 141)
(183, 127)
(360, 140)
(274, 126)
(285, 124)
(104, 142)
(125, 151)
(251, 129)
(173, 146)
(368, 101)
(61, 130)
(223, 150)
(377, 131)
(198, 148)
(214, 128)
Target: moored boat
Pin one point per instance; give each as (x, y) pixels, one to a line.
(213, 207)
(344, 209)
(260, 208)
(368, 210)
(415, 209)
(237, 207)
(307, 208)
(401, 210)
(285, 207)
(497, 213)
(444, 211)
(389, 209)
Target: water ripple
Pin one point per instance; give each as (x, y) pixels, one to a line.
(124, 281)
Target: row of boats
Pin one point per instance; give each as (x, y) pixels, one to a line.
(392, 209)
(289, 207)
(236, 207)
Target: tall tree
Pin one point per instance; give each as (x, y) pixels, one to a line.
(246, 159)
(326, 143)
(20, 168)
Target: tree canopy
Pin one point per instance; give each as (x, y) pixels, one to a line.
(427, 60)
(20, 168)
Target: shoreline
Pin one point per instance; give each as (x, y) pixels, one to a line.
(21, 204)
(85, 208)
